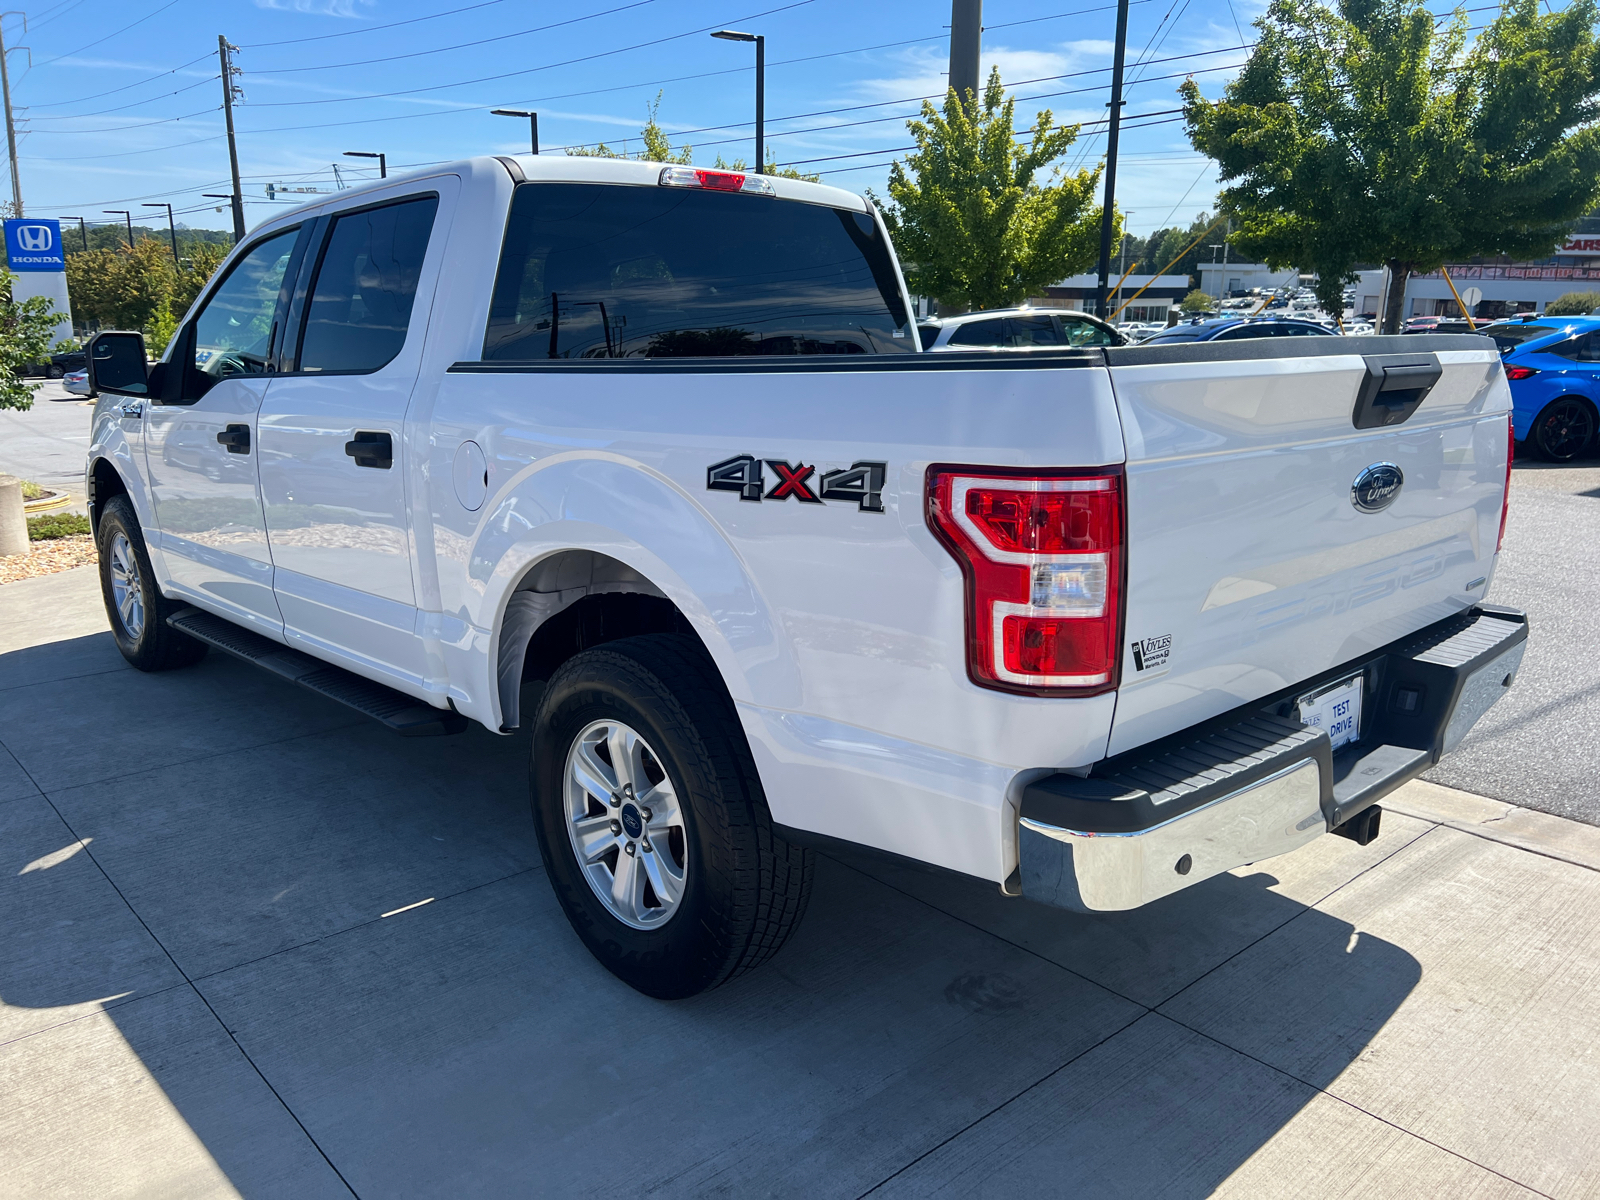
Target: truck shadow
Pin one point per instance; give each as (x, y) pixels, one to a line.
(918, 1029)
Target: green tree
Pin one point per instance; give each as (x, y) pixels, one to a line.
(122, 288)
(198, 266)
(1197, 302)
(657, 146)
(1369, 133)
(969, 215)
(1573, 304)
(27, 329)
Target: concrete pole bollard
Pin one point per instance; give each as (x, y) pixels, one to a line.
(13, 525)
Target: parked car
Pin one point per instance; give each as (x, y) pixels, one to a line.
(76, 382)
(1235, 328)
(1553, 366)
(67, 360)
(1093, 623)
(1017, 329)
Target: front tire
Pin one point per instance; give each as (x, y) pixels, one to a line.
(652, 822)
(1564, 429)
(135, 607)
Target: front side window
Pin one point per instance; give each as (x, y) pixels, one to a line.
(233, 332)
(979, 333)
(617, 271)
(1086, 333)
(366, 284)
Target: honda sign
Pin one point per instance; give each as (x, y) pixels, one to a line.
(34, 244)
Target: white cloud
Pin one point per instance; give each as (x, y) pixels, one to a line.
(349, 9)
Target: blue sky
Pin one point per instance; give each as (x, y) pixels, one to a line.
(122, 103)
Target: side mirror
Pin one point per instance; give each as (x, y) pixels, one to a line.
(117, 365)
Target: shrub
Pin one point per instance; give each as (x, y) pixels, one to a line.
(1573, 304)
(56, 525)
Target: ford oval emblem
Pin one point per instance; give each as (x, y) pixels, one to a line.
(1376, 487)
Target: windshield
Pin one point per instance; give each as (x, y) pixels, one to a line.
(592, 270)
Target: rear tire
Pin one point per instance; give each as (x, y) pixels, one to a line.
(687, 801)
(1564, 429)
(135, 607)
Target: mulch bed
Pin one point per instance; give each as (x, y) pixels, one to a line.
(49, 556)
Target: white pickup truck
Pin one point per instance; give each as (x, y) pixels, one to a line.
(654, 452)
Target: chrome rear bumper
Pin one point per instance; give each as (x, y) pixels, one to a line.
(1257, 783)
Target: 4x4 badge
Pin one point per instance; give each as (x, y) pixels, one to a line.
(861, 482)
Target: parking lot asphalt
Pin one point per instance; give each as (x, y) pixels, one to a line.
(49, 442)
(1540, 746)
(254, 946)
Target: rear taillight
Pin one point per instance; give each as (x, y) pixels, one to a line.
(1505, 500)
(716, 181)
(1042, 553)
(1521, 372)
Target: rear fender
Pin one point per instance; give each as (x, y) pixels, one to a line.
(613, 507)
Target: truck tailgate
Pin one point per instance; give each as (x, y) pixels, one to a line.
(1250, 564)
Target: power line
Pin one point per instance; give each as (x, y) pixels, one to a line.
(109, 36)
(323, 37)
(439, 87)
(499, 37)
(124, 107)
(124, 87)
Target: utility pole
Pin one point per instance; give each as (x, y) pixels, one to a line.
(966, 43)
(1107, 214)
(229, 92)
(11, 125)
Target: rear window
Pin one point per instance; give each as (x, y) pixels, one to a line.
(929, 335)
(611, 271)
(1514, 333)
(1175, 335)
(980, 333)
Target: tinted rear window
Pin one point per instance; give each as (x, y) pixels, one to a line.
(929, 335)
(1514, 333)
(609, 271)
(980, 333)
(1176, 335)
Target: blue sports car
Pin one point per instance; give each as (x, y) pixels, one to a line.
(1553, 366)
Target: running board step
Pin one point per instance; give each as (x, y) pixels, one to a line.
(404, 714)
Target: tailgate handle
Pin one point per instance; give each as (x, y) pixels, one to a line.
(1393, 387)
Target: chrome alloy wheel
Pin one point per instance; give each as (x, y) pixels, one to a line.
(625, 824)
(126, 591)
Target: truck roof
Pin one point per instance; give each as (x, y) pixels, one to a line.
(565, 168)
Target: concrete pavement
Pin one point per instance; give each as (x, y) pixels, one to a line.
(254, 946)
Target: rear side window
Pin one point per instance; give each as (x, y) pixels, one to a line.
(979, 333)
(365, 286)
(1583, 348)
(615, 271)
(1032, 331)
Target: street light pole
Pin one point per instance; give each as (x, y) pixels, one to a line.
(172, 230)
(1113, 129)
(733, 35)
(383, 160)
(82, 229)
(122, 212)
(533, 122)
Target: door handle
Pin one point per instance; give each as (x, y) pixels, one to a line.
(236, 438)
(371, 449)
(131, 408)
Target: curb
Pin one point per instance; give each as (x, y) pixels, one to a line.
(1497, 821)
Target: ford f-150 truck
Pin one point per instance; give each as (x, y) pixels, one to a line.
(649, 457)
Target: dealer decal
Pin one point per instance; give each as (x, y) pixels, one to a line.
(860, 482)
(1151, 655)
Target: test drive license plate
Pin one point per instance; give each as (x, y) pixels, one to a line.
(1335, 709)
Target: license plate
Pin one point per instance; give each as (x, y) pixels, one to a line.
(1336, 709)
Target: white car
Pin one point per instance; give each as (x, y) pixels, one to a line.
(649, 457)
(1016, 329)
(76, 382)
